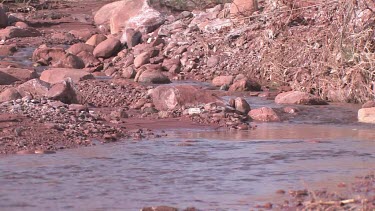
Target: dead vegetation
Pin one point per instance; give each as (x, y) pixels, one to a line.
(326, 48)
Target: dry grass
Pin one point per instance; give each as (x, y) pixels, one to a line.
(326, 49)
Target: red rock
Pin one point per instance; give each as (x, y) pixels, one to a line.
(7, 50)
(135, 14)
(12, 32)
(366, 115)
(174, 97)
(222, 80)
(153, 76)
(369, 104)
(172, 65)
(88, 59)
(33, 88)
(96, 39)
(213, 61)
(241, 105)
(132, 37)
(128, 72)
(82, 34)
(10, 75)
(80, 47)
(245, 85)
(141, 59)
(107, 48)
(57, 57)
(264, 114)
(21, 25)
(297, 97)
(159, 208)
(56, 75)
(243, 7)
(9, 94)
(3, 17)
(64, 92)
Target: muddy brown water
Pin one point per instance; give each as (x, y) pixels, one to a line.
(219, 170)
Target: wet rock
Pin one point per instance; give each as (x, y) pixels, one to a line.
(40, 151)
(10, 75)
(173, 97)
(243, 7)
(366, 115)
(12, 32)
(63, 91)
(9, 94)
(7, 50)
(290, 110)
(141, 59)
(96, 39)
(56, 75)
(297, 97)
(107, 48)
(153, 76)
(264, 114)
(245, 85)
(80, 47)
(137, 14)
(222, 80)
(34, 88)
(241, 105)
(3, 17)
(25, 152)
(131, 37)
(57, 57)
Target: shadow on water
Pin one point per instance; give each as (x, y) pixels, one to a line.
(209, 173)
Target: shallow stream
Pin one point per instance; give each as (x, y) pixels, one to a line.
(221, 170)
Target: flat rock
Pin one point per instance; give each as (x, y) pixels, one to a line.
(33, 88)
(168, 97)
(9, 94)
(297, 97)
(264, 114)
(10, 75)
(56, 75)
(12, 32)
(366, 115)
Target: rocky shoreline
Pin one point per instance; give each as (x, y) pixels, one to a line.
(91, 73)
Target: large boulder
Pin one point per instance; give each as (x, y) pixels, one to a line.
(96, 39)
(80, 47)
(137, 14)
(10, 75)
(153, 76)
(57, 57)
(64, 92)
(9, 94)
(168, 97)
(107, 48)
(56, 75)
(366, 115)
(245, 85)
(223, 80)
(241, 105)
(33, 88)
(297, 97)
(264, 114)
